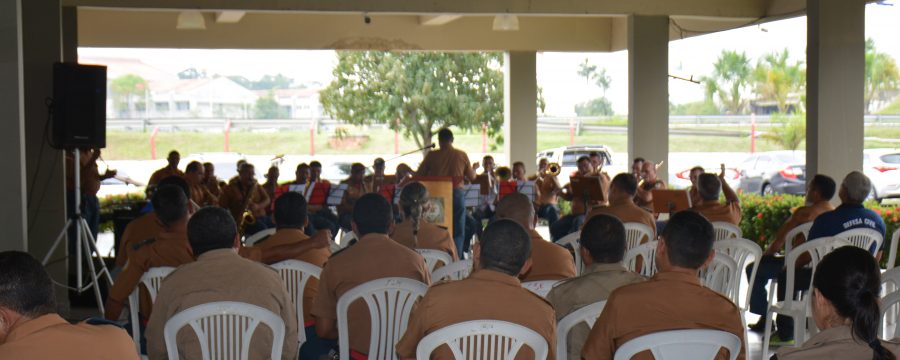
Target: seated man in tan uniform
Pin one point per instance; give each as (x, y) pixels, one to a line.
(672, 299)
(492, 292)
(709, 187)
(220, 274)
(374, 256)
(621, 204)
(31, 330)
(171, 169)
(414, 231)
(602, 248)
(235, 198)
(200, 195)
(548, 260)
(290, 221)
(146, 226)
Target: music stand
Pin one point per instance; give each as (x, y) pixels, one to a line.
(85, 244)
(587, 189)
(670, 201)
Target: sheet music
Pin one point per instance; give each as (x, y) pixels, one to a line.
(336, 195)
(527, 188)
(473, 195)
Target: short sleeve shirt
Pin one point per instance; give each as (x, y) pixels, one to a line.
(847, 217)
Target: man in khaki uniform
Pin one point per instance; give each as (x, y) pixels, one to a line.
(672, 299)
(171, 169)
(234, 198)
(449, 161)
(142, 228)
(29, 328)
(622, 206)
(573, 221)
(492, 292)
(648, 182)
(200, 194)
(602, 248)
(549, 261)
(220, 274)
(709, 187)
(374, 256)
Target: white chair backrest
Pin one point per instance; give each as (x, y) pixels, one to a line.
(152, 279)
(454, 271)
(483, 339)
(817, 249)
(892, 257)
(890, 316)
(587, 315)
(697, 344)
(636, 233)
(295, 274)
(726, 230)
(389, 301)
(890, 281)
(646, 251)
(802, 229)
(743, 252)
(719, 276)
(434, 257)
(540, 287)
(573, 241)
(252, 239)
(346, 238)
(863, 238)
(224, 329)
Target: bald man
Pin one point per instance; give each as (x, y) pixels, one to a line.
(648, 181)
(549, 261)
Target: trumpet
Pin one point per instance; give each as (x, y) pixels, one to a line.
(504, 173)
(554, 169)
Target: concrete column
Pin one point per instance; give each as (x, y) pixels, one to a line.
(13, 212)
(648, 90)
(520, 108)
(835, 79)
(44, 165)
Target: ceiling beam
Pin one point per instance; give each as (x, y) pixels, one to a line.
(717, 8)
(437, 20)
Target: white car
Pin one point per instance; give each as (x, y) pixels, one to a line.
(567, 158)
(882, 166)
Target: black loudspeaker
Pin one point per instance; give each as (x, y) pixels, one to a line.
(79, 106)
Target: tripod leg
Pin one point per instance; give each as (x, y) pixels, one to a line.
(95, 283)
(59, 239)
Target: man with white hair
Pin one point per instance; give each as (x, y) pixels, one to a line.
(851, 214)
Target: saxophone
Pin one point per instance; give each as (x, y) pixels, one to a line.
(247, 217)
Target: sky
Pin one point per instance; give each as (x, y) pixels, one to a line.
(556, 71)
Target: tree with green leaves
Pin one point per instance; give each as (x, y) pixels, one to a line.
(267, 107)
(787, 131)
(124, 89)
(603, 80)
(417, 93)
(597, 107)
(882, 76)
(776, 79)
(587, 71)
(729, 80)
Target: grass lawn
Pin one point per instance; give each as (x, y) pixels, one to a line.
(125, 145)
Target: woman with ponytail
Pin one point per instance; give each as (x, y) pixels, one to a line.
(846, 309)
(414, 231)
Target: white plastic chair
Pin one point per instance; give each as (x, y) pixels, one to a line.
(743, 252)
(863, 238)
(483, 339)
(434, 257)
(296, 274)
(540, 287)
(346, 238)
(389, 301)
(798, 309)
(697, 344)
(454, 271)
(259, 236)
(719, 276)
(726, 230)
(647, 251)
(892, 257)
(573, 241)
(890, 323)
(224, 329)
(587, 315)
(635, 233)
(802, 229)
(152, 279)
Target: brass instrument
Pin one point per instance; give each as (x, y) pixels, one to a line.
(504, 173)
(247, 217)
(553, 169)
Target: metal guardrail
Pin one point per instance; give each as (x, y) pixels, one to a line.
(690, 124)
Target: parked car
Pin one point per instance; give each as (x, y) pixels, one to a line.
(774, 172)
(567, 158)
(882, 166)
(682, 179)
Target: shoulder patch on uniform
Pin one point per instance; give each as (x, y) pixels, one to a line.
(142, 244)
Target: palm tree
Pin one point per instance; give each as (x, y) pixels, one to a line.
(586, 70)
(882, 75)
(730, 77)
(602, 80)
(775, 79)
